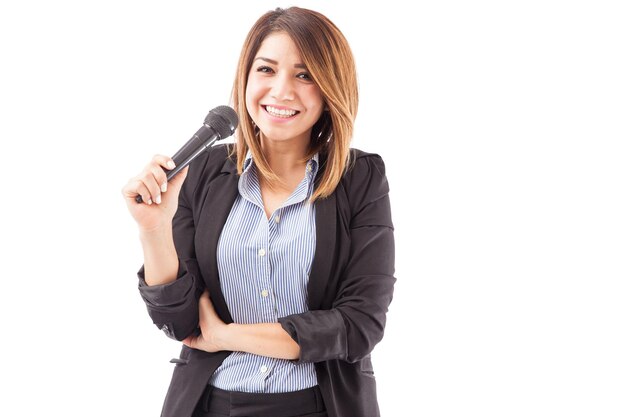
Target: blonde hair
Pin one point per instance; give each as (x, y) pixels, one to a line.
(328, 58)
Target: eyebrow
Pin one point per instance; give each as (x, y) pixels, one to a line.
(274, 62)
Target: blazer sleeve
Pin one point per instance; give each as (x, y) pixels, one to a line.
(355, 323)
(173, 307)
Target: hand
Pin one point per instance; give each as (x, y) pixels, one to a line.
(158, 207)
(211, 327)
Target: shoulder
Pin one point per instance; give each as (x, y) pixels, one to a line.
(208, 166)
(356, 154)
(217, 158)
(364, 180)
(366, 169)
(210, 163)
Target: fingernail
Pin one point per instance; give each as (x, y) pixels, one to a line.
(164, 187)
(149, 201)
(158, 199)
(171, 165)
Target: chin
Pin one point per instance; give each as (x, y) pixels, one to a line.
(275, 135)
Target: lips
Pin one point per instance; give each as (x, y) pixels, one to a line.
(281, 113)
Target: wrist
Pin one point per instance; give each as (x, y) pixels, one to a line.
(224, 337)
(156, 233)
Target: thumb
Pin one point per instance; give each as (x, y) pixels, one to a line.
(190, 341)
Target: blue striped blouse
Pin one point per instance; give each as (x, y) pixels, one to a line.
(264, 267)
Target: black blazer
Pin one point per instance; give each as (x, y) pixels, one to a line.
(349, 290)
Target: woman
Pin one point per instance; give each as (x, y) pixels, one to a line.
(272, 260)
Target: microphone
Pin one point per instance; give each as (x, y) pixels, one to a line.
(219, 124)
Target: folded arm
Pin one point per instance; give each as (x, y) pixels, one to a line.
(355, 323)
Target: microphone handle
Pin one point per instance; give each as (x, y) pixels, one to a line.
(179, 166)
(194, 143)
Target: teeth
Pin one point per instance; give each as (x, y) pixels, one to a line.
(279, 112)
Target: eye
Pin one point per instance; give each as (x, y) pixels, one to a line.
(265, 69)
(305, 76)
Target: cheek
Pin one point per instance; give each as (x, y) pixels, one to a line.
(314, 98)
(252, 99)
(249, 101)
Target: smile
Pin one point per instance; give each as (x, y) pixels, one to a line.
(282, 113)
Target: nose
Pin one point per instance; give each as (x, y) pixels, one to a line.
(282, 88)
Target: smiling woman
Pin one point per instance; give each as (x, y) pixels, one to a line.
(322, 66)
(284, 104)
(273, 259)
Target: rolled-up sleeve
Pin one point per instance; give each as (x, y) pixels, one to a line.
(172, 306)
(355, 323)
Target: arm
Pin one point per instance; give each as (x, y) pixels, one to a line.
(355, 323)
(265, 339)
(167, 281)
(159, 254)
(154, 217)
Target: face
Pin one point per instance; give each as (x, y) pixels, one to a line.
(281, 97)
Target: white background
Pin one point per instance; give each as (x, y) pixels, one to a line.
(502, 125)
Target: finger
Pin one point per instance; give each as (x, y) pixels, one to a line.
(159, 176)
(205, 301)
(191, 341)
(172, 190)
(166, 164)
(135, 188)
(164, 161)
(147, 177)
(208, 315)
(143, 191)
(157, 167)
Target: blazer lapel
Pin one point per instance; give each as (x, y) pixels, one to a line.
(326, 226)
(218, 202)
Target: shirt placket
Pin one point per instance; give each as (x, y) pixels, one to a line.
(265, 296)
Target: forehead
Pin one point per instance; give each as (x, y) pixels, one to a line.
(280, 47)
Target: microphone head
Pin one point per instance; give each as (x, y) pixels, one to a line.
(223, 120)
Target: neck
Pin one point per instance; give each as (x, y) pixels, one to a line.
(285, 158)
